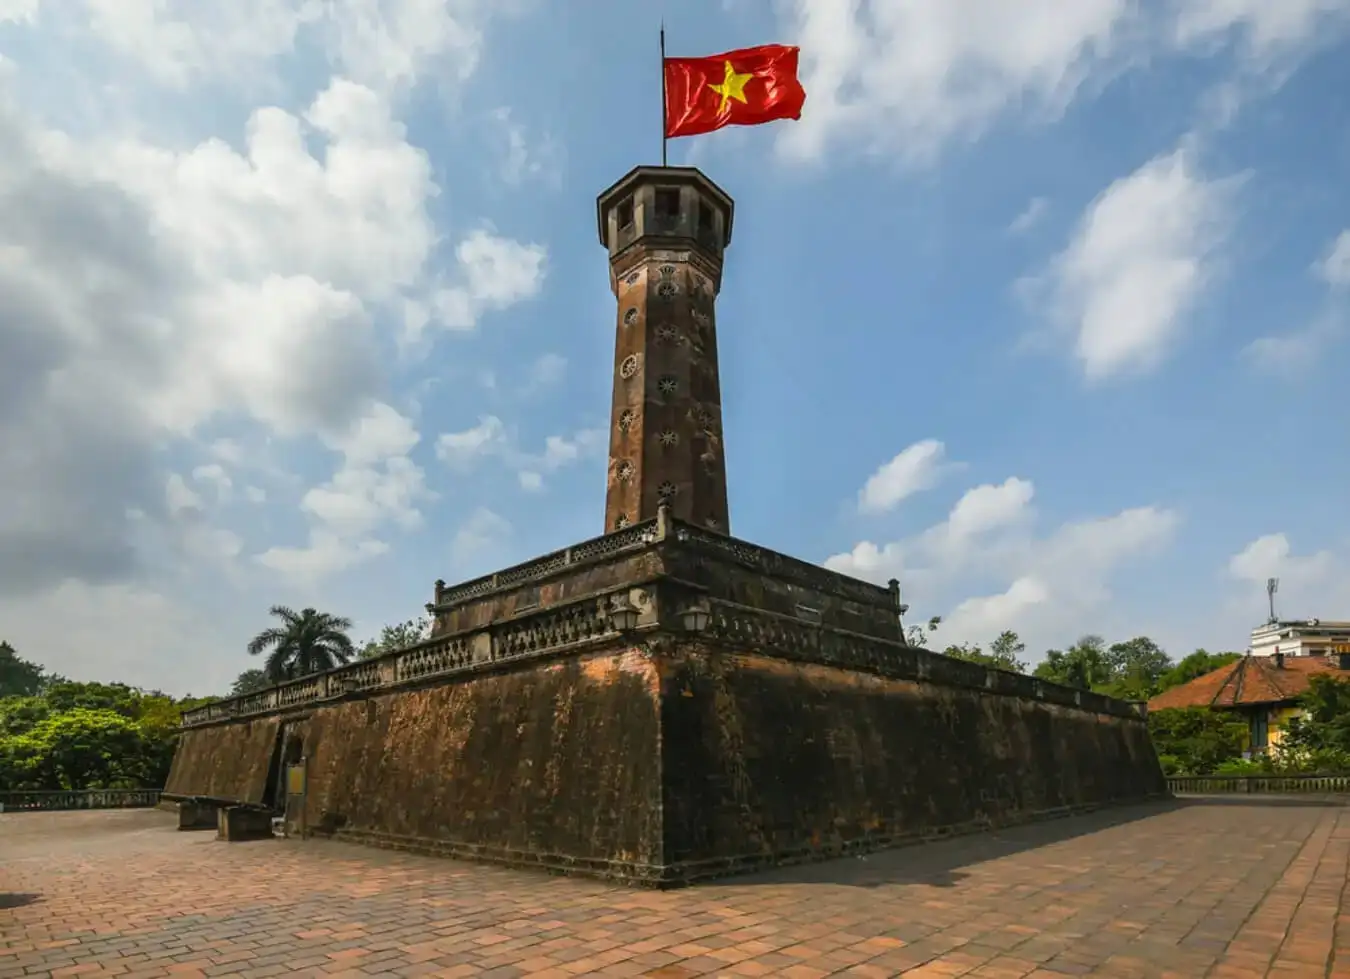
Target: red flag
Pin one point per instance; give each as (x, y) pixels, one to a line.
(739, 88)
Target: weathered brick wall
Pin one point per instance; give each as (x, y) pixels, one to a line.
(549, 763)
(767, 758)
(230, 761)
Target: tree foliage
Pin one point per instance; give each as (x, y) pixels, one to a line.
(87, 736)
(1324, 727)
(1002, 654)
(19, 677)
(306, 642)
(1196, 740)
(1197, 664)
(1085, 664)
(918, 635)
(250, 681)
(398, 636)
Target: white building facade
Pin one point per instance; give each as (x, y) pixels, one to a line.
(1302, 637)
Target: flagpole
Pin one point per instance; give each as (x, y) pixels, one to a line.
(663, 93)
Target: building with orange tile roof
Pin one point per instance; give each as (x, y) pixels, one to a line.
(1265, 690)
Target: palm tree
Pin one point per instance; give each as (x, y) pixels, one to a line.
(309, 642)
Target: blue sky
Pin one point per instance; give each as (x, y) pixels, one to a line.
(1040, 311)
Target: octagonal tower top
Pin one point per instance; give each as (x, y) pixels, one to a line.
(664, 202)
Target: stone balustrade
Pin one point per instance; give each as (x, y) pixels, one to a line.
(53, 800)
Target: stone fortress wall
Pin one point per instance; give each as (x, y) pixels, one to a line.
(794, 724)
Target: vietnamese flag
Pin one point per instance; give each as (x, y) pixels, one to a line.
(739, 88)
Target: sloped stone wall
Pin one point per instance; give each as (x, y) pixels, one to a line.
(686, 760)
(551, 764)
(228, 761)
(767, 760)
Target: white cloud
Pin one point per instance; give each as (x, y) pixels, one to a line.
(376, 484)
(146, 292)
(491, 439)
(989, 507)
(913, 470)
(1272, 557)
(906, 78)
(1315, 585)
(546, 372)
(123, 633)
(387, 45)
(214, 475)
(1052, 586)
(524, 159)
(1137, 265)
(1295, 352)
(228, 451)
(1334, 266)
(326, 554)
(255, 494)
(496, 273)
(986, 616)
(207, 543)
(1268, 28)
(479, 539)
(464, 448)
(179, 496)
(1291, 354)
(1030, 217)
(18, 11)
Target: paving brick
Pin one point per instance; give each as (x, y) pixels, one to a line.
(1224, 889)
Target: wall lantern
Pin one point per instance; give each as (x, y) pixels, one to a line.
(623, 617)
(695, 618)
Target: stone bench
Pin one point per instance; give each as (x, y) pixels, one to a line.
(236, 824)
(197, 815)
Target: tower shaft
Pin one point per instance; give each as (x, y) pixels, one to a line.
(666, 229)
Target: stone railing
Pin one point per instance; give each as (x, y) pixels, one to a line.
(51, 800)
(551, 629)
(787, 636)
(1334, 784)
(642, 535)
(632, 538)
(731, 626)
(785, 567)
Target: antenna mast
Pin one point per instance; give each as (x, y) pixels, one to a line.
(1272, 586)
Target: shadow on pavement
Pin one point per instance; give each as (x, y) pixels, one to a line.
(18, 900)
(937, 863)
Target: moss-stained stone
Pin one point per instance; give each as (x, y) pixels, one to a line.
(797, 724)
(229, 762)
(766, 760)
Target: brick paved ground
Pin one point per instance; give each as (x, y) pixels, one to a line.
(1221, 888)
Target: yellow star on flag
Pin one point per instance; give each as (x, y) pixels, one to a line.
(732, 87)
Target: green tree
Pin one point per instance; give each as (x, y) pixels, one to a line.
(80, 749)
(1006, 650)
(1083, 665)
(398, 636)
(1324, 726)
(306, 642)
(250, 681)
(1136, 666)
(18, 677)
(1196, 740)
(18, 715)
(1197, 664)
(116, 697)
(1001, 655)
(917, 635)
